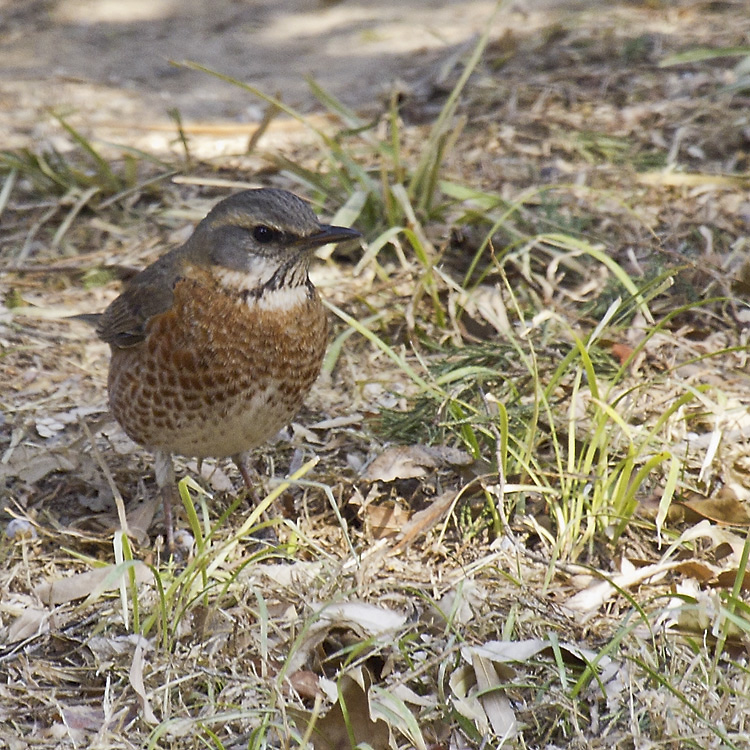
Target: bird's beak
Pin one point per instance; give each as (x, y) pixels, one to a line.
(329, 234)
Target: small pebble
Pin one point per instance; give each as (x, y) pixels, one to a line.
(20, 528)
(184, 540)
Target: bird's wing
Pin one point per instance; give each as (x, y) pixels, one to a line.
(91, 318)
(123, 323)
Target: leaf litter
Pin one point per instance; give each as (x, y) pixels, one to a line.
(394, 612)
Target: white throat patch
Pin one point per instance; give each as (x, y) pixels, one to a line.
(247, 282)
(257, 275)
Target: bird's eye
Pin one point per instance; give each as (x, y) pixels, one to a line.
(264, 234)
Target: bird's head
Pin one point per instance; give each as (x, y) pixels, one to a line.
(260, 231)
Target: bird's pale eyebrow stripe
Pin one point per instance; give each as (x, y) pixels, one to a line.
(240, 220)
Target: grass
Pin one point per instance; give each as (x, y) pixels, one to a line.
(83, 179)
(554, 601)
(85, 170)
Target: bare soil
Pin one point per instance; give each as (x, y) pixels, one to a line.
(110, 61)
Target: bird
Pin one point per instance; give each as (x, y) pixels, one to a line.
(215, 345)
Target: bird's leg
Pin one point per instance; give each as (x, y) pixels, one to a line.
(249, 475)
(165, 480)
(251, 479)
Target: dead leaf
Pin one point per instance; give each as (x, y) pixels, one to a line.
(49, 425)
(135, 678)
(349, 722)
(299, 574)
(367, 619)
(727, 578)
(31, 464)
(83, 718)
(495, 703)
(724, 509)
(697, 570)
(462, 683)
(487, 302)
(648, 508)
(30, 622)
(420, 523)
(425, 519)
(591, 598)
(471, 686)
(212, 472)
(305, 683)
(501, 652)
(384, 520)
(140, 516)
(413, 462)
(622, 352)
(337, 422)
(91, 584)
(387, 704)
(457, 605)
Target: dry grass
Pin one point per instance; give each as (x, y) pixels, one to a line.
(519, 513)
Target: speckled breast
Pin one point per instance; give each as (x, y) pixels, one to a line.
(219, 373)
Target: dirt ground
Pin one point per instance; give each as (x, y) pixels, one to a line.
(111, 60)
(108, 63)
